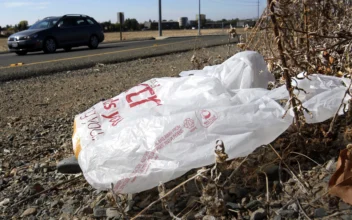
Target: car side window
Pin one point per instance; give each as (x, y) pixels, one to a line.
(43, 24)
(81, 22)
(67, 22)
(90, 21)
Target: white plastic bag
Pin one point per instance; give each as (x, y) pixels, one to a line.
(162, 128)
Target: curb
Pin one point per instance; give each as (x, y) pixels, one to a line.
(145, 39)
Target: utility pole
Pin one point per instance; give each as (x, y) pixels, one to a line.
(199, 19)
(160, 24)
(258, 9)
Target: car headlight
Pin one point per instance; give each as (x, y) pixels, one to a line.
(29, 37)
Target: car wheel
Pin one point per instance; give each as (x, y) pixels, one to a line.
(67, 49)
(49, 45)
(21, 53)
(93, 42)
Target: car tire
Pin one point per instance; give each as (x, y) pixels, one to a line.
(49, 45)
(93, 42)
(21, 53)
(67, 49)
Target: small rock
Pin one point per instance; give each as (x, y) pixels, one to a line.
(209, 217)
(288, 213)
(259, 214)
(293, 206)
(99, 212)
(39, 201)
(277, 217)
(233, 205)
(72, 201)
(112, 213)
(4, 202)
(320, 212)
(253, 205)
(24, 178)
(346, 217)
(11, 138)
(321, 176)
(239, 192)
(42, 165)
(29, 211)
(36, 167)
(36, 188)
(289, 189)
(330, 165)
(344, 206)
(68, 209)
(87, 210)
(272, 171)
(244, 201)
(55, 203)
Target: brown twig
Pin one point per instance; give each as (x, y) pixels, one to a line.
(292, 173)
(168, 193)
(337, 112)
(234, 172)
(304, 212)
(284, 62)
(44, 191)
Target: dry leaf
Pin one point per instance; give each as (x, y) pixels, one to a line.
(340, 184)
(331, 60)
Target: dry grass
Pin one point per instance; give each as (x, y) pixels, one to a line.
(3, 46)
(133, 35)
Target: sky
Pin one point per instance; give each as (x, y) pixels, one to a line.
(13, 11)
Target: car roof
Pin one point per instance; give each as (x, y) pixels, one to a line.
(52, 17)
(67, 15)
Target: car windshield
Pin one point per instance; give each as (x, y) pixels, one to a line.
(46, 23)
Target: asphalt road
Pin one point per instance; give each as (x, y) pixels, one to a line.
(34, 64)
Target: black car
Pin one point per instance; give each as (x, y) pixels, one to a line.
(57, 32)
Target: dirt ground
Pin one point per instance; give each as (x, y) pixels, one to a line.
(132, 35)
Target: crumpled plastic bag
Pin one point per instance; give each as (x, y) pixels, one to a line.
(241, 71)
(162, 128)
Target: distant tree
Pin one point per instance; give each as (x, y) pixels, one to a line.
(223, 20)
(131, 24)
(106, 25)
(23, 25)
(0, 28)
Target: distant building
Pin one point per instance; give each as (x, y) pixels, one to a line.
(214, 25)
(202, 17)
(165, 25)
(183, 22)
(193, 23)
